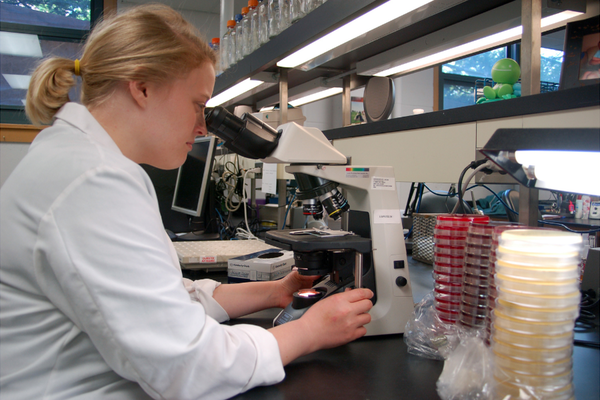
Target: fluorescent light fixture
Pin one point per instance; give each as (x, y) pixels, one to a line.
(549, 173)
(316, 96)
(487, 42)
(381, 15)
(20, 44)
(233, 92)
(17, 81)
(542, 158)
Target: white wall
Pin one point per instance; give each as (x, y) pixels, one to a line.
(324, 114)
(10, 155)
(413, 91)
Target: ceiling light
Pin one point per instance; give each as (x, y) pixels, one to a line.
(381, 15)
(20, 44)
(487, 42)
(233, 92)
(17, 81)
(316, 96)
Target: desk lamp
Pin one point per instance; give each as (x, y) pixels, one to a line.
(562, 159)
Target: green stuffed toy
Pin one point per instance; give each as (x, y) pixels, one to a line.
(505, 73)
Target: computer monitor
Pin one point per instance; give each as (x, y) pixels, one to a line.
(164, 186)
(194, 176)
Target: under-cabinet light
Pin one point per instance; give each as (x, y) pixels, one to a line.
(233, 92)
(373, 19)
(487, 42)
(316, 96)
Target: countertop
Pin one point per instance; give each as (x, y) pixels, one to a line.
(380, 367)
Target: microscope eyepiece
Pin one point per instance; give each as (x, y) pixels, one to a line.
(247, 136)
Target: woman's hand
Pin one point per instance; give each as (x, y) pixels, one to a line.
(290, 285)
(333, 321)
(339, 319)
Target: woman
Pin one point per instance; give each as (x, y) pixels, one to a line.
(92, 301)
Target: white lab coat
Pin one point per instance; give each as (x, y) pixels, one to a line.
(92, 304)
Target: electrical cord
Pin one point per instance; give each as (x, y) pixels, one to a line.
(586, 321)
(230, 179)
(498, 197)
(546, 222)
(418, 207)
(241, 232)
(485, 165)
(447, 194)
(288, 210)
(475, 165)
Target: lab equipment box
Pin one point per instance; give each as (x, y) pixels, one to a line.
(266, 265)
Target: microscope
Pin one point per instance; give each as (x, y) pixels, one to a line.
(370, 251)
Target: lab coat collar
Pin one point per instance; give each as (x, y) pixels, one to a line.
(79, 116)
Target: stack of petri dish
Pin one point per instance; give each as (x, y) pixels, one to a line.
(473, 308)
(449, 238)
(537, 278)
(492, 290)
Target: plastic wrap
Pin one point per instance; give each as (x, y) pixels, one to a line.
(468, 372)
(426, 335)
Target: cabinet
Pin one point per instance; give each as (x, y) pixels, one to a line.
(331, 15)
(411, 144)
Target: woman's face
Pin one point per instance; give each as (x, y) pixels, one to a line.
(176, 117)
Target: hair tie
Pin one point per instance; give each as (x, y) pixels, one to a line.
(77, 71)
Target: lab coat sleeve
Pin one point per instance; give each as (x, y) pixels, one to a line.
(202, 291)
(104, 261)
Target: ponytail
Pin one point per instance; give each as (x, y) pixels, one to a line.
(146, 43)
(49, 89)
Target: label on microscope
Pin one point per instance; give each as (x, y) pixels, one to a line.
(382, 183)
(355, 172)
(387, 217)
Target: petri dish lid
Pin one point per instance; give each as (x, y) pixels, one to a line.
(479, 228)
(461, 219)
(535, 241)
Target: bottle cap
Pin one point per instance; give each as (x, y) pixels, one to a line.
(215, 40)
(252, 3)
(245, 10)
(230, 23)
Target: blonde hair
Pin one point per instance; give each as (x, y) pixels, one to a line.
(146, 43)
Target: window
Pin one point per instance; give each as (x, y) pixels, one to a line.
(30, 31)
(460, 79)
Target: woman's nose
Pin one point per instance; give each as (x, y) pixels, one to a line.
(200, 128)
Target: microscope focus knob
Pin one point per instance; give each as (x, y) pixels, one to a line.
(401, 281)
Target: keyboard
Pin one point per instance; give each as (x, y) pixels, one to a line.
(215, 253)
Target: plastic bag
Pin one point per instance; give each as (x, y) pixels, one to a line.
(468, 371)
(426, 335)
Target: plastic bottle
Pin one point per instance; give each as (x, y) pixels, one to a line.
(297, 10)
(263, 22)
(239, 35)
(312, 4)
(215, 44)
(253, 16)
(227, 43)
(579, 207)
(273, 18)
(284, 15)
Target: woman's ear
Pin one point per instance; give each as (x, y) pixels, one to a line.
(139, 92)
